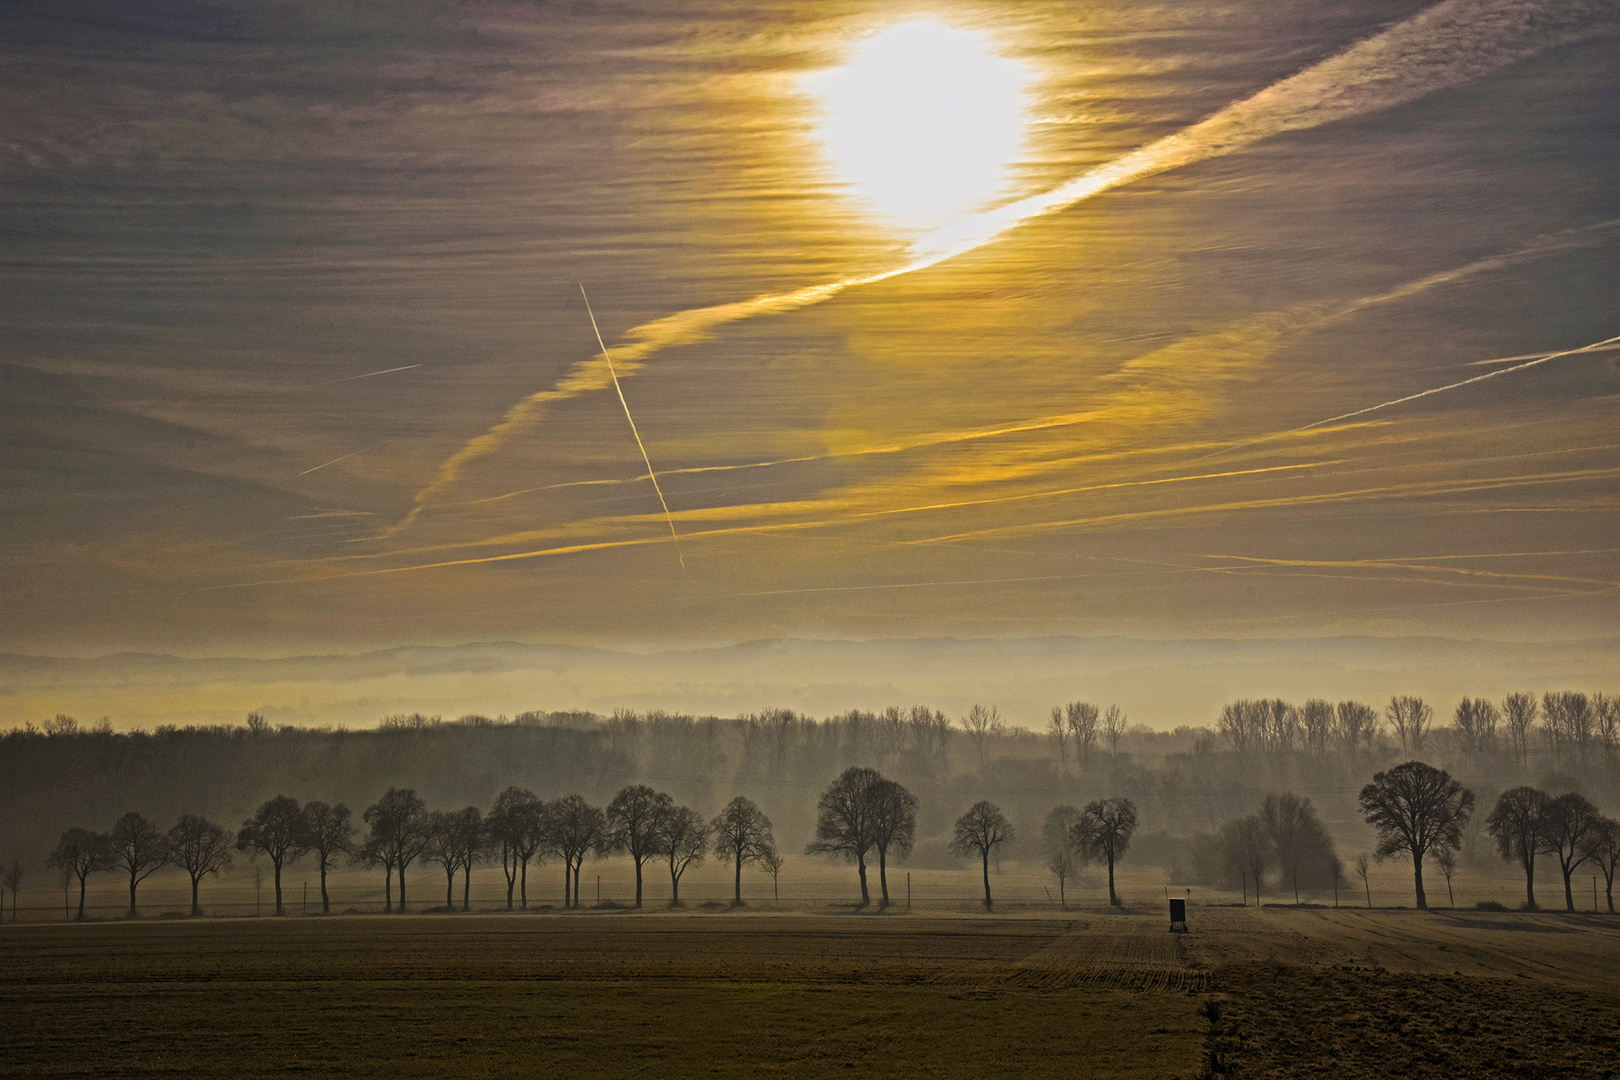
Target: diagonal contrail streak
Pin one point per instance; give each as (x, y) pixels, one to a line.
(653, 476)
(1442, 46)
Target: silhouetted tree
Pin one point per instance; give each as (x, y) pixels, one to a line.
(12, 875)
(1082, 717)
(1316, 725)
(1055, 834)
(1301, 843)
(516, 826)
(1416, 808)
(399, 832)
(772, 862)
(1518, 824)
(981, 830)
(1602, 846)
(1113, 728)
(199, 847)
(1477, 720)
(742, 833)
(1057, 730)
(1446, 859)
(277, 829)
(1571, 819)
(634, 819)
(444, 848)
(894, 827)
(1411, 718)
(328, 833)
(1356, 725)
(846, 820)
(472, 840)
(138, 849)
(374, 851)
(573, 828)
(81, 853)
(983, 724)
(1103, 834)
(1519, 713)
(1247, 848)
(1364, 871)
(683, 840)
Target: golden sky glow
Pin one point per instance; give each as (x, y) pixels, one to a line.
(974, 320)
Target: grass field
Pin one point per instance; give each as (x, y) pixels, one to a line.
(1097, 993)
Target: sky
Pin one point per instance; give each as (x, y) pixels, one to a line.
(947, 320)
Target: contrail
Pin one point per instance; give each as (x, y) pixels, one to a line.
(1445, 45)
(351, 378)
(345, 457)
(653, 476)
(1596, 346)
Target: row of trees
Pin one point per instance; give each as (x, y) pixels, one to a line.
(1571, 725)
(1526, 822)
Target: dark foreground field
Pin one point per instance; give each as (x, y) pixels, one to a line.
(1101, 994)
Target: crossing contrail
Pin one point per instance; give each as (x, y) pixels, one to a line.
(1442, 46)
(651, 475)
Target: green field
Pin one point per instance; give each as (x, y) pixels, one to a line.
(1096, 994)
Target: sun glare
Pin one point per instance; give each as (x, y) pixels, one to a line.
(924, 123)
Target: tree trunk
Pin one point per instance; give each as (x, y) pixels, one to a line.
(1113, 901)
(450, 887)
(883, 874)
(326, 901)
(132, 895)
(523, 884)
(986, 854)
(568, 881)
(860, 864)
(736, 892)
(1608, 892)
(1530, 882)
(1569, 894)
(402, 888)
(637, 860)
(194, 909)
(674, 887)
(81, 896)
(388, 888)
(278, 890)
(577, 868)
(1417, 880)
(466, 888)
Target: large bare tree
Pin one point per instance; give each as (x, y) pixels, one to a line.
(682, 841)
(1302, 844)
(846, 821)
(1571, 819)
(1602, 846)
(1518, 824)
(574, 828)
(742, 833)
(398, 825)
(80, 853)
(1519, 712)
(515, 826)
(1103, 834)
(199, 847)
(983, 723)
(980, 831)
(1411, 718)
(277, 830)
(329, 833)
(634, 819)
(894, 827)
(138, 848)
(1416, 808)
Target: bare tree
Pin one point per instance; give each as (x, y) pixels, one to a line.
(81, 853)
(1411, 718)
(1113, 728)
(1300, 841)
(1446, 859)
(1316, 724)
(983, 724)
(1246, 847)
(472, 841)
(1082, 717)
(1356, 725)
(328, 833)
(138, 849)
(444, 848)
(894, 827)
(1057, 730)
(1568, 723)
(742, 833)
(199, 847)
(1415, 809)
(772, 862)
(981, 830)
(1103, 834)
(1519, 713)
(399, 833)
(1606, 719)
(374, 851)
(12, 874)
(277, 829)
(1571, 819)
(1602, 846)
(634, 819)
(515, 828)
(1055, 833)
(1518, 823)
(1363, 869)
(1477, 720)
(683, 840)
(931, 739)
(573, 829)
(846, 821)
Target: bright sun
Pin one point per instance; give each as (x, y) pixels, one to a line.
(924, 123)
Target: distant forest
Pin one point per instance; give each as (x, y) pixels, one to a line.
(1183, 784)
